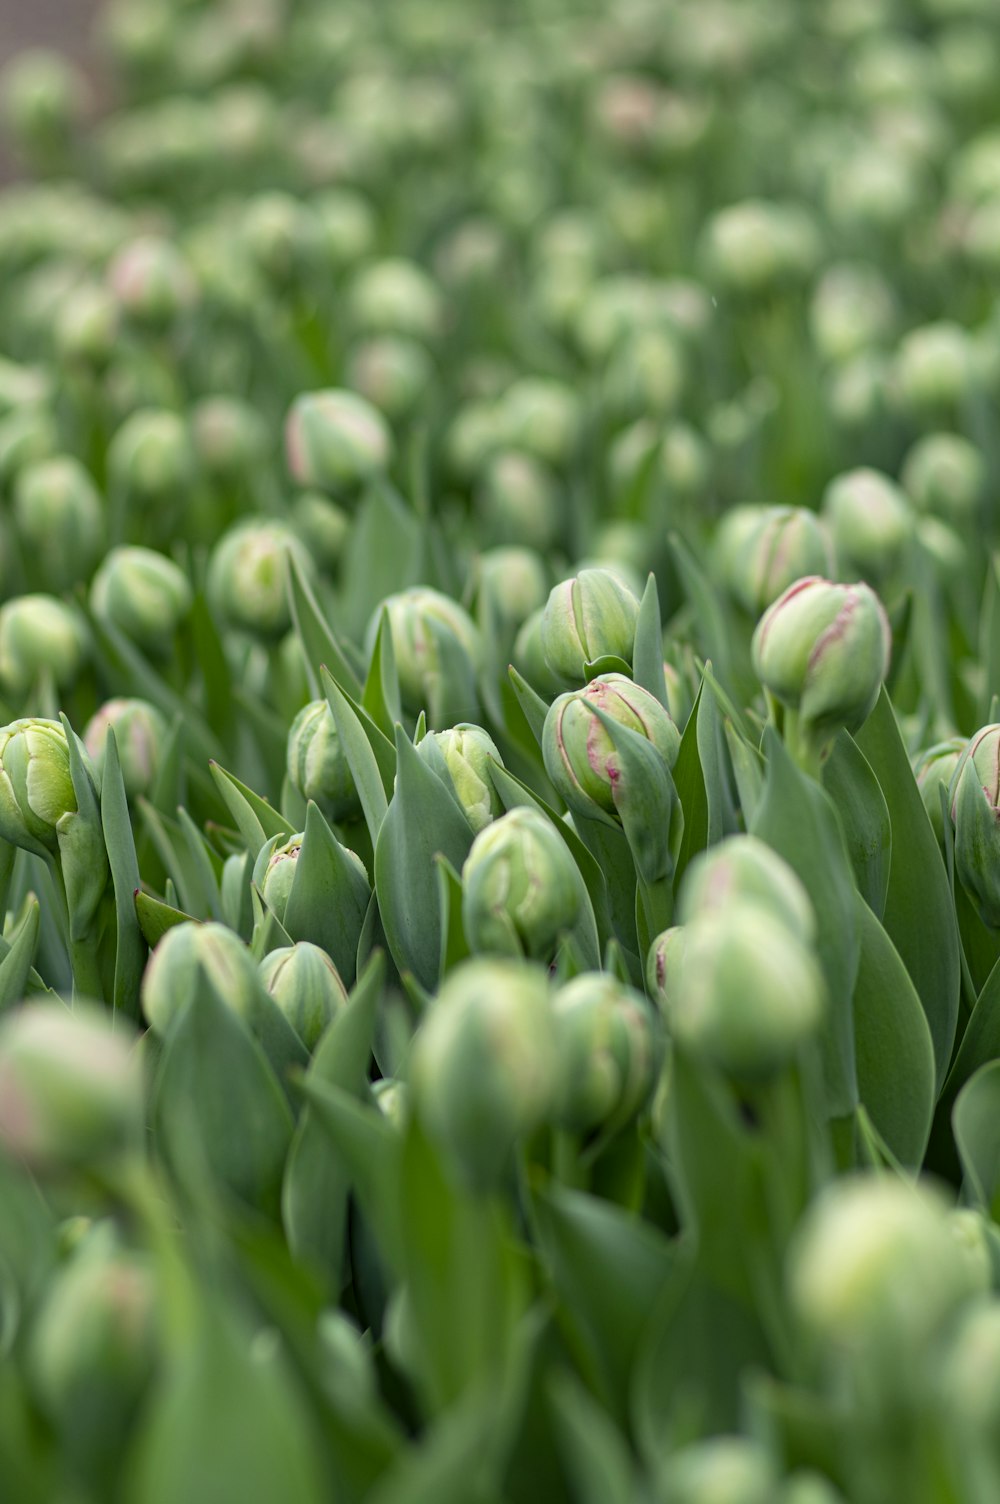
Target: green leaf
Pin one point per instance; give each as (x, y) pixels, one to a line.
(156, 917)
(316, 1183)
(451, 1463)
(130, 947)
(213, 667)
(422, 820)
(256, 820)
(15, 967)
(689, 782)
(713, 627)
(532, 705)
(797, 818)
(595, 1455)
(647, 650)
(381, 692)
(329, 896)
(919, 915)
(454, 945)
(644, 797)
(895, 1056)
(319, 645)
(864, 814)
(748, 770)
(381, 557)
(372, 765)
(976, 1120)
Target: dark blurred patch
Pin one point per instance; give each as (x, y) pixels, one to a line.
(67, 25)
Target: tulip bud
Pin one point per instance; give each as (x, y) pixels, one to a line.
(945, 473)
(823, 651)
(345, 226)
(280, 237)
(40, 636)
(140, 734)
(336, 440)
(744, 870)
(852, 309)
(86, 327)
(317, 766)
(720, 1470)
(875, 1268)
(515, 582)
(153, 283)
(757, 247)
(71, 1088)
(749, 993)
(521, 887)
(170, 978)
(144, 594)
(437, 650)
(461, 757)
(485, 1067)
(606, 1038)
(580, 756)
(870, 520)
(391, 371)
(230, 437)
(936, 368)
(763, 550)
(542, 417)
(975, 811)
(529, 657)
(279, 874)
(663, 968)
(970, 1371)
(395, 296)
(306, 986)
(247, 576)
(517, 500)
(935, 770)
(150, 458)
(27, 433)
(59, 517)
(586, 618)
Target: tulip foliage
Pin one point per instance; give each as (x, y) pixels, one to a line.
(500, 756)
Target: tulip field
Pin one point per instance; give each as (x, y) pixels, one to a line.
(500, 754)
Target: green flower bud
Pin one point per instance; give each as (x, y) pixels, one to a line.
(823, 650)
(875, 1268)
(150, 458)
(485, 1067)
(152, 282)
(60, 519)
(580, 756)
(852, 309)
(461, 755)
(517, 500)
(762, 550)
(586, 618)
(542, 417)
(43, 98)
(144, 594)
(947, 551)
(810, 1488)
(27, 434)
(515, 581)
(744, 870)
(945, 473)
(975, 811)
(529, 656)
(936, 368)
(317, 766)
(247, 576)
(396, 296)
(606, 1037)
(306, 986)
(323, 527)
(437, 650)
(685, 460)
(521, 887)
(720, 1470)
(391, 371)
(970, 1371)
(40, 636)
(86, 330)
(336, 440)
(663, 968)
(230, 437)
(756, 246)
(280, 237)
(645, 375)
(749, 995)
(345, 226)
(140, 734)
(36, 786)
(279, 874)
(973, 1234)
(934, 770)
(169, 981)
(71, 1089)
(870, 520)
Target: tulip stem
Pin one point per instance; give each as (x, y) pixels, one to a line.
(800, 746)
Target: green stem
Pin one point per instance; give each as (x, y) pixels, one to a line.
(801, 747)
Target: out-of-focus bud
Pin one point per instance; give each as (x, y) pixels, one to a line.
(540, 416)
(437, 649)
(143, 594)
(757, 246)
(71, 1089)
(720, 1470)
(862, 390)
(515, 581)
(396, 296)
(169, 981)
(853, 308)
(391, 371)
(973, 1234)
(151, 459)
(335, 440)
(744, 870)
(529, 656)
(27, 433)
(870, 520)
(40, 636)
(970, 1371)
(86, 329)
(945, 473)
(461, 756)
(43, 99)
(580, 756)
(317, 766)
(280, 236)
(230, 437)
(809, 1488)
(822, 649)
(975, 810)
(323, 527)
(247, 576)
(875, 1269)
(749, 992)
(645, 375)
(152, 281)
(936, 368)
(685, 460)
(607, 1041)
(518, 501)
(521, 887)
(345, 226)
(140, 734)
(59, 517)
(586, 618)
(306, 986)
(485, 1066)
(760, 551)
(934, 771)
